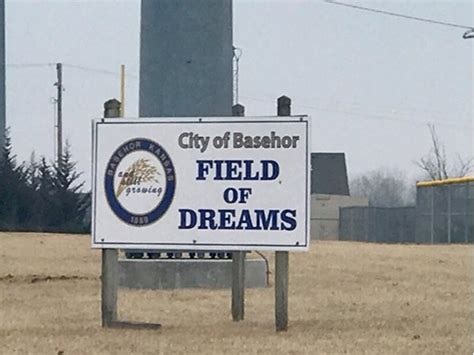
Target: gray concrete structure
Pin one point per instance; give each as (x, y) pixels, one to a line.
(187, 273)
(186, 58)
(325, 214)
(2, 73)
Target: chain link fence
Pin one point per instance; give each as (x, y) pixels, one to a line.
(445, 211)
(377, 224)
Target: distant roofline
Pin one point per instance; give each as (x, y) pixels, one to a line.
(445, 181)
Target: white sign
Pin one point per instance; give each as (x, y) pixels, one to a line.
(230, 183)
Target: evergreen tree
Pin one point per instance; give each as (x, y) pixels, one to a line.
(44, 205)
(31, 172)
(73, 205)
(14, 192)
(42, 197)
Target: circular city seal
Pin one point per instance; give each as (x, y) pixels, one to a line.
(140, 182)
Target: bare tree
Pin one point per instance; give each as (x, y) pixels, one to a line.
(384, 188)
(463, 166)
(435, 164)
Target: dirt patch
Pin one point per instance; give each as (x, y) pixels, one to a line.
(42, 278)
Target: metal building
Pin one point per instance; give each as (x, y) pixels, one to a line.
(329, 174)
(186, 58)
(2, 72)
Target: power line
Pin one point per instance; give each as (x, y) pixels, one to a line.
(379, 117)
(29, 65)
(72, 66)
(97, 70)
(408, 17)
(369, 116)
(89, 69)
(406, 110)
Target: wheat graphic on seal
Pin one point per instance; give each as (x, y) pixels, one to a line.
(138, 172)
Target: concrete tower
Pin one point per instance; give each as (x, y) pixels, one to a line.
(186, 58)
(2, 72)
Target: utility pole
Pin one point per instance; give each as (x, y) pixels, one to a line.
(59, 103)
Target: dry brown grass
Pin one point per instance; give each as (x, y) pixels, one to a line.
(344, 298)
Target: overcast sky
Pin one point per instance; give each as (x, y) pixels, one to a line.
(370, 82)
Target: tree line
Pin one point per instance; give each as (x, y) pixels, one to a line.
(41, 196)
(390, 187)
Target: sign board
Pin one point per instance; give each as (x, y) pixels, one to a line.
(225, 183)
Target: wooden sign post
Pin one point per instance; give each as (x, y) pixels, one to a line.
(281, 257)
(109, 272)
(238, 262)
(110, 256)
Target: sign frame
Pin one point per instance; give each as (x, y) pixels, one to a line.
(97, 242)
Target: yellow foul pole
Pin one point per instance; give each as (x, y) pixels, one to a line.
(122, 90)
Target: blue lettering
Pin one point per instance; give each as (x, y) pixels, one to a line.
(267, 166)
(288, 220)
(231, 219)
(218, 175)
(248, 171)
(230, 195)
(232, 173)
(245, 219)
(187, 223)
(265, 221)
(226, 221)
(203, 169)
(207, 219)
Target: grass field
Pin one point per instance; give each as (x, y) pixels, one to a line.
(344, 298)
